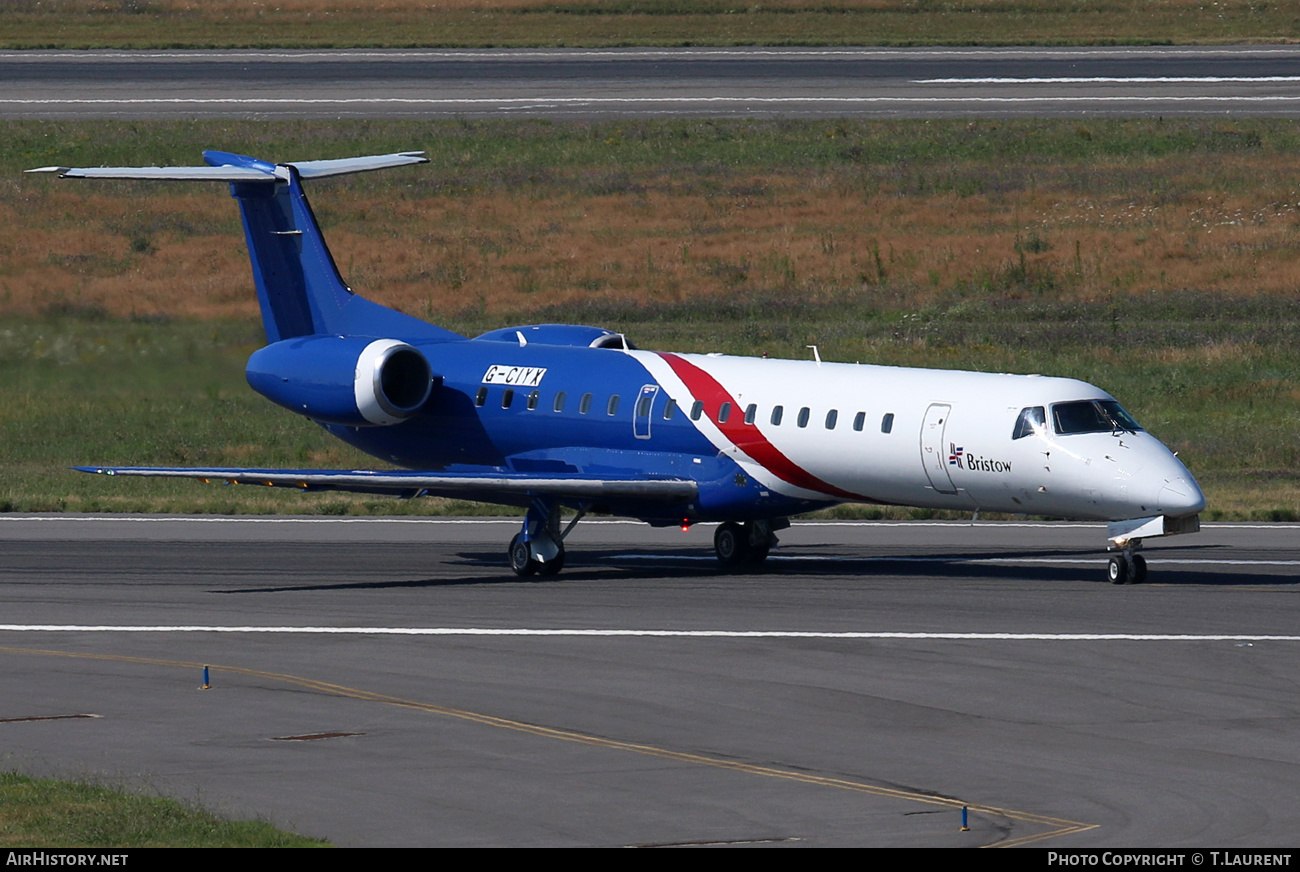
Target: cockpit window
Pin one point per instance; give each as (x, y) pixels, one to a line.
(1032, 420)
(1092, 416)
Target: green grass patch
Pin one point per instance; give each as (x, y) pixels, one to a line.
(913, 157)
(1213, 378)
(42, 813)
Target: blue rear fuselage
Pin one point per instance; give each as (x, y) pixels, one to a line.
(564, 410)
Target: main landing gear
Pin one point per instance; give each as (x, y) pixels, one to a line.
(747, 544)
(539, 546)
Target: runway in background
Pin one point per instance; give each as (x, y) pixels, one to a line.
(618, 83)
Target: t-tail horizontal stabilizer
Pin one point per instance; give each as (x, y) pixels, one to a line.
(224, 166)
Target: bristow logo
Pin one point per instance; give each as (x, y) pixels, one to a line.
(522, 376)
(958, 456)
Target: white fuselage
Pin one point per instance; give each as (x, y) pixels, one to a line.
(923, 437)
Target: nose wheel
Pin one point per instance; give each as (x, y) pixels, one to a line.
(1126, 568)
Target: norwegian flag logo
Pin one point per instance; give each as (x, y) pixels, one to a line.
(955, 452)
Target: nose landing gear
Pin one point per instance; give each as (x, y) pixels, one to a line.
(1127, 568)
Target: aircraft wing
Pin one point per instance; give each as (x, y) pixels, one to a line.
(508, 488)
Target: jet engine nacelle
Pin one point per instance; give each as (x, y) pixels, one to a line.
(355, 381)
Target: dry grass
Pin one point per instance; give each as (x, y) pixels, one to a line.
(262, 8)
(151, 23)
(660, 238)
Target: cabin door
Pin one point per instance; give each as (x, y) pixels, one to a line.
(936, 455)
(645, 403)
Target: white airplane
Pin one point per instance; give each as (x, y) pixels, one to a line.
(548, 416)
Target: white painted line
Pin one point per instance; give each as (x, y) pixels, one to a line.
(1103, 80)
(1060, 561)
(687, 634)
(1056, 525)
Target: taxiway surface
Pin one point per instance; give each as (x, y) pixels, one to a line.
(387, 682)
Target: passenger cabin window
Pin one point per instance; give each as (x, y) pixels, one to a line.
(480, 397)
(724, 412)
(887, 423)
(643, 406)
(859, 421)
(831, 417)
(611, 408)
(697, 409)
(751, 412)
(559, 401)
(532, 399)
(670, 409)
(1032, 420)
(584, 405)
(803, 416)
(777, 412)
(507, 397)
(1092, 416)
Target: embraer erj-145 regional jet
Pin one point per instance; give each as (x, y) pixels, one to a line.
(551, 415)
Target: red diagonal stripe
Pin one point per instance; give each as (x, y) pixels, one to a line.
(747, 437)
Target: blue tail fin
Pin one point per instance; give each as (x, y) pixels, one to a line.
(298, 284)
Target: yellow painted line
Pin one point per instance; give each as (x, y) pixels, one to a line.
(1056, 826)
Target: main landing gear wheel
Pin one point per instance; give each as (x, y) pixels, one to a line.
(554, 565)
(1117, 570)
(538, 549)
(745, 545)
(731, 544)
(521, 558)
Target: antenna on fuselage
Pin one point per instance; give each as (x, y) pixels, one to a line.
(817, 356)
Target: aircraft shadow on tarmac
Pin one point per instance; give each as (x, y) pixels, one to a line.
(622, 564)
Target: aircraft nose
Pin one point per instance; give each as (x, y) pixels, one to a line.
(1180, 496)
(1163, 485)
